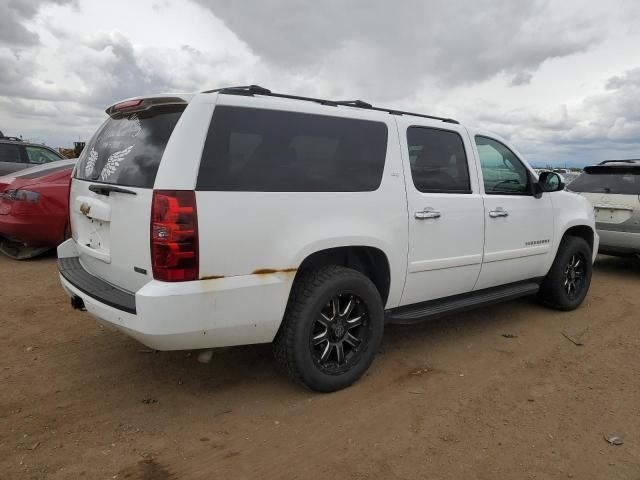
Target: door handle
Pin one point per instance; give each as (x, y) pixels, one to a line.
(428, 212)
(498, 212)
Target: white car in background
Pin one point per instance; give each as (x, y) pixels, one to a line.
(613, 187)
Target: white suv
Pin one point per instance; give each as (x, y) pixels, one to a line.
(613, 187)
(240, 216)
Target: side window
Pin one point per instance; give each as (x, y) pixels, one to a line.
(40, 155)
(438, 161)
(502, 171)
(259, 150)
(10, 153)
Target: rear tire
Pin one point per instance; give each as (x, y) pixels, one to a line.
(331, 329)
(567, 283)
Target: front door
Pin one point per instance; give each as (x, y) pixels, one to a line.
(519, 225)
(446, 215)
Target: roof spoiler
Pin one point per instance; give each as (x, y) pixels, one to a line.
(142, 104)
(618, 168)
(630, 160)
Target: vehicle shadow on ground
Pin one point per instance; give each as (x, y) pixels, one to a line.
(45, 256)
(620, 265)
(253, 366)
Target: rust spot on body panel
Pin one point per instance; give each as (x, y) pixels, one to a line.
(211, 277)
(265, 271)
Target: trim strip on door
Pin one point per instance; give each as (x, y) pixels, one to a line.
(440, 263)
(516, 253)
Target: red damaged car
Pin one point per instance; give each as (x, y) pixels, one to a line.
(34, 206)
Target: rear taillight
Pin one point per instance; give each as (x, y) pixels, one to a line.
(21, 196)
(174, 235)
(68, 233)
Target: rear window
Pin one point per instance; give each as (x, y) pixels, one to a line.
(608, 181)
(127, 150)
(274, 151)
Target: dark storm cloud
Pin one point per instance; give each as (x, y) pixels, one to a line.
(13, 14)
(461, 42)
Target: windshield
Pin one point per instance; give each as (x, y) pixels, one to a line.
(610, 181)
(127, 150)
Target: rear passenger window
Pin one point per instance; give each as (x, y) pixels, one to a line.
(9, 153)
(261, 150)
(438, 161)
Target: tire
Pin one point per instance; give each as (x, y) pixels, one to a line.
(574, 255)
(330, 306)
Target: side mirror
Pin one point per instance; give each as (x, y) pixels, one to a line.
(550, 182)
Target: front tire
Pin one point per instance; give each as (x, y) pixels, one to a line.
(567, 283)
(331, 329)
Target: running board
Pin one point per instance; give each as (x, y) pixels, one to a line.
(458, 303)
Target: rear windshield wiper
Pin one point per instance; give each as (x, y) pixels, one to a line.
(107, 189)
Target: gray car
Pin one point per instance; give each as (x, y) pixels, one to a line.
(16, 154)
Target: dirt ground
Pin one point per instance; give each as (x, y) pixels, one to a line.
(451, 399)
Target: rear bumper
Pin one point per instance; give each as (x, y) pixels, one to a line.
(239, 310)
(32, 230)
(619, 243)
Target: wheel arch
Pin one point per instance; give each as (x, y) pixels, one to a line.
(581, 231)
(371, 261)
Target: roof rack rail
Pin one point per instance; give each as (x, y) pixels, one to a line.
(631, 160)
(354, 103)
(250, 90)
(11, 139)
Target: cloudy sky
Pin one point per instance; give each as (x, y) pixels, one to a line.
(559, 78)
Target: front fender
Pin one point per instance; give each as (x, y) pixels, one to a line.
(572, 210)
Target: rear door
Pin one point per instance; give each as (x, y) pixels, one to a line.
(446, 214)
(111, 194)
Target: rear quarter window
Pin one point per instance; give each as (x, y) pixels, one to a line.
(9, 153)
(261, 150)
(127, 150)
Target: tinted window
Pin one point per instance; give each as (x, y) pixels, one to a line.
(9, 153)
(40, 155)
(127, 150)
(274, 151)
(627, 183)
(438, 160)
(503, 173)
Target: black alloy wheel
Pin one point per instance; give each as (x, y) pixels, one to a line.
(331, 329)
(575, 275)
(339, 333)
